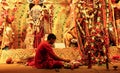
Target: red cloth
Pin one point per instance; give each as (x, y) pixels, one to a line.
(10, 19)
(116, 13)
(45, 57)
(38, 36)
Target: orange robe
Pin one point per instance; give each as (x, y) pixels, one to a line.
(45, 57)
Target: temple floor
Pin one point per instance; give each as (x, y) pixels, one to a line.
(16, 54)
(71, 53)
(19, 68)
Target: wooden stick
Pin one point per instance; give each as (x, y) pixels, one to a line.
(105, 31)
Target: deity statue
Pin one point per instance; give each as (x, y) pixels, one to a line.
(42, 21)
(37, 18)
(8, 34)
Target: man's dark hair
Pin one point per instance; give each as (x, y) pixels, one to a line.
(116, 1)
(51, 36)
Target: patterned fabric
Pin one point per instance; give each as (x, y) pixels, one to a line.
(114, 51)
(15, 54)
(68, 53)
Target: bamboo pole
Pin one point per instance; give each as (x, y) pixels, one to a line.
(80, 45)
(106, 39)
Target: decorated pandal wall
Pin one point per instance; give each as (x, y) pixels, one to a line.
(83, 26)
